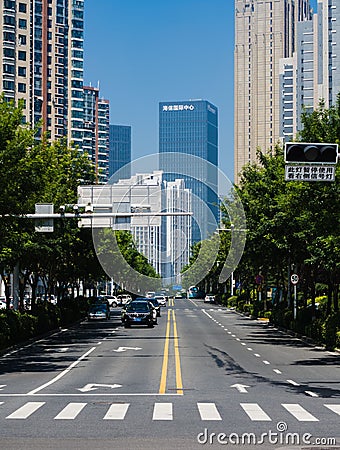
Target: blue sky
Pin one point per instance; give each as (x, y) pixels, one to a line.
(146, 51)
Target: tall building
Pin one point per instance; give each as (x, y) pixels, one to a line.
(146, 193)
(191, 128)
(42, 62)
(265, 32)
(313, 73)
(96, 131)
(120, 152)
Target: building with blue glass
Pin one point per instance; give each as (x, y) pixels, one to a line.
(191, 128)
(120, 153)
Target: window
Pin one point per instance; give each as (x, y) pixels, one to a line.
(9, 53)
(9, 20)
(21, 55)
(22, 71)
(9, 4)
(8, 85)
(23, 24)
(8, 68)
(21, 87)
(22, 7)
(22, 39)
(10, 37)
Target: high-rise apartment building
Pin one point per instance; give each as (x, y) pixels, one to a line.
(191, 128)
(265, 32)
(96, 131)
(42, 62)
(120, 152)
(313, 73)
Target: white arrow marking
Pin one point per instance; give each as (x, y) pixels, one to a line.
(93, 387)
(123, 349)
(241, 388)
(56, 349)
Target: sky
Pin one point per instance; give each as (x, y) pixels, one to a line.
(142, 52)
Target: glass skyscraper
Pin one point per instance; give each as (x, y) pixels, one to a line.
(191, 128)
(120, 152)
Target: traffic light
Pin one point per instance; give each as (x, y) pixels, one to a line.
(311, 153)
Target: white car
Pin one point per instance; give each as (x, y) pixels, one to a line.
(123, 299)
(161, 299)
(209, 298)
(150, 294)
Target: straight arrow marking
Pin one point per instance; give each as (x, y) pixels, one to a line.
(123, 349)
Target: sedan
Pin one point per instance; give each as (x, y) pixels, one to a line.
(209, 298)
(156, 305)
(161, 300)
(99, 312)
(138, 313)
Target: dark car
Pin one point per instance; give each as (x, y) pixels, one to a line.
(99, 311)
(151, 304)
(138, 313)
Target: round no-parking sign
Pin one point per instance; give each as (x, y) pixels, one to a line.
(294, 278)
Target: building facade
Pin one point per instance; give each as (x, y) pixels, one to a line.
(191, 128)
(146, 193)
(313, 73)
(120, 152)
(42, 63)
(265, 32)
(96, 131)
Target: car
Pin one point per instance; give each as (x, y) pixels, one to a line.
(180, 295)
(138, 313)
(113, 300)
(156, 305)
(150, 294)
(161, 299)
(124, 298)
(99, 311)
(152, 306)
(209, 298)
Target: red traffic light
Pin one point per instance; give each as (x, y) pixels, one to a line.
(311, 153)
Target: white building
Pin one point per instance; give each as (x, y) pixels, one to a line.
(164, 240)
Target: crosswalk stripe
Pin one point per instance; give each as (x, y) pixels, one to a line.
(162, 411)
(208, 411)
(26, 410)
(117, 411)
(334, 408)
(299, 413)
(70, 411)
(255, 412)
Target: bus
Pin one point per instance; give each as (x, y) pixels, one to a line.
(195, 292)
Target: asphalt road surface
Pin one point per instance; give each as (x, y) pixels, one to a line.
(205, 376)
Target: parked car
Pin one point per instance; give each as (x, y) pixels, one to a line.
(113, 300)
(99, 311)
(209, 298)
(138, 313)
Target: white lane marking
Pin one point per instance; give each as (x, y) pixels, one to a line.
(294, 383)
(277, 371)
(255, 412)
(124, 349)
(257, 355)
(312, 394)
(243, 343)
(250, 349)
(26, 410)
(334, 408)
(117, 411)
(299, 413)
(93, 386)
(233, 335)
(266, 362)
(229, 332)
(70, 411)
(207, 314)
(2, 386)
(242, 388)
(238, 339)
(162, 411)
(64, 372)
(208, 411)
(57, 349)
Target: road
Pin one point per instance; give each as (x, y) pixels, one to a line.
(205, 376)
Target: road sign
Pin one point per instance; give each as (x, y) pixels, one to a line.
(294, 278)
(44, 225)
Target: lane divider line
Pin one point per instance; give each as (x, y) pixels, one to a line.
(179, 384)
(162, 385)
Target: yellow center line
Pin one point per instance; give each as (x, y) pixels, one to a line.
(162, 385)
(179, 384)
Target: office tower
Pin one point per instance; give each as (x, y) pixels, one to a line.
(265, 32)
(191, 128)
(42, 62)
(313, 73)
(96, 131)
(120, 152)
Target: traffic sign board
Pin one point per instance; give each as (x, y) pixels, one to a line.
(294, 278)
